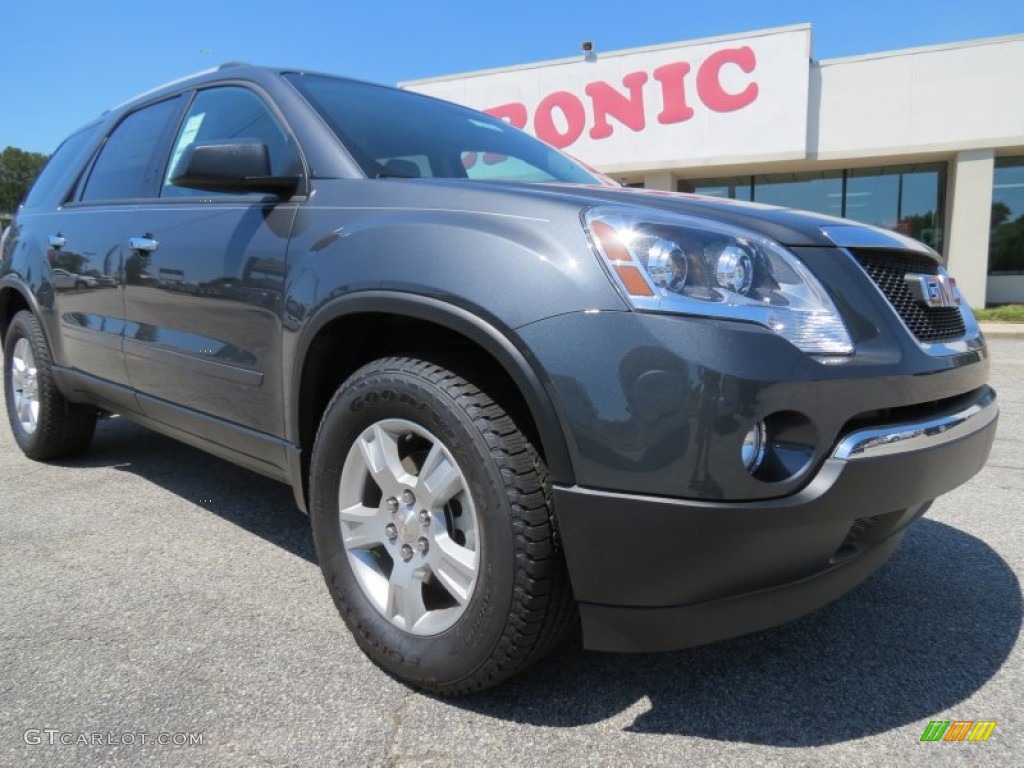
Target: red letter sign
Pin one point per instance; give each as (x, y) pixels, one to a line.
(544, 125)
(607, 101)
(709, 80)
(674, 108)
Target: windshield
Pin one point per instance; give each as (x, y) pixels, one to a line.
(398, 134)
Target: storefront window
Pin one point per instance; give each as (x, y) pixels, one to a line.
(907, 198)
(1006, 242)
(821, 191)
(733, 187)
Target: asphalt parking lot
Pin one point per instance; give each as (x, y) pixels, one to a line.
(151, 589)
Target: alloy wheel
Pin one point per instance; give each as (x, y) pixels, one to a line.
(25, 383)
(409, 526)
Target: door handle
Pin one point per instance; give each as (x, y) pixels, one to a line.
(143, 244)
(57, 241)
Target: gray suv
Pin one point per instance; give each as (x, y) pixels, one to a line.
(513, 396)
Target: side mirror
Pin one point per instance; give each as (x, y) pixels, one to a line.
(221, 166)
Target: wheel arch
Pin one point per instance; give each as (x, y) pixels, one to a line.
(14, 298)
(325, 354)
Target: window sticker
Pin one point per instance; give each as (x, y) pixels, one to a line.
(188, 135)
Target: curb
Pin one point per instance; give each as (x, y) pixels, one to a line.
(1003, 330)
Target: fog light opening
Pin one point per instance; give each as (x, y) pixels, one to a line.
(788, 447)
(753, 448)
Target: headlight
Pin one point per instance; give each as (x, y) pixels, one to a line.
(675, 263)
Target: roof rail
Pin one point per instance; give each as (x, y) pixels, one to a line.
(228, 64)
(161, 87)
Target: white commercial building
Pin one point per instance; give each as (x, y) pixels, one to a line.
(926, 141)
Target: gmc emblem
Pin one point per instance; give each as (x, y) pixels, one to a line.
(934, 290)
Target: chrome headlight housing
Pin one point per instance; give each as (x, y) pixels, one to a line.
(684, 265)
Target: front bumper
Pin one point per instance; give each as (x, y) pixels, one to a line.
(653, 573)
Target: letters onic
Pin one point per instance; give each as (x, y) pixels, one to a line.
(627, 105)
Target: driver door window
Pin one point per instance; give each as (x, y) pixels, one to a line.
(229, 113)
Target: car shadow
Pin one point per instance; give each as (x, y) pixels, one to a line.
(924, 633)
(255, 503)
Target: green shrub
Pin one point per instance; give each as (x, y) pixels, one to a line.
(1008, 313)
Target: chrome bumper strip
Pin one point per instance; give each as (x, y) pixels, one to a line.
(917, 436)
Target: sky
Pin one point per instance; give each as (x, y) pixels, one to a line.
(65, 61)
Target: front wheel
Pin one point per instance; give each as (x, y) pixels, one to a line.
(432, 520)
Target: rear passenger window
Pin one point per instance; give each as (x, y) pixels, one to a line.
(51, 187)
(127, 167)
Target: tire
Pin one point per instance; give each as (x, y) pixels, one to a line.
(488, 593)
(45, 425)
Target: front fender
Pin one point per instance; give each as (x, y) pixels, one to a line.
(516, 268)
(517, 362)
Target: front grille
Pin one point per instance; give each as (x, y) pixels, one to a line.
(928, 324)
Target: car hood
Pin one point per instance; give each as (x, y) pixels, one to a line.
(784, 225)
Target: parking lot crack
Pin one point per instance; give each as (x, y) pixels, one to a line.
(397, 723)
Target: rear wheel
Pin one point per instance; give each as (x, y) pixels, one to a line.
(44, 423)
(433, 524)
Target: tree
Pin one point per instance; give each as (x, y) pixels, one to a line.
(1000, 212)
(922, 227)
(18, 169)
(1006, 247)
